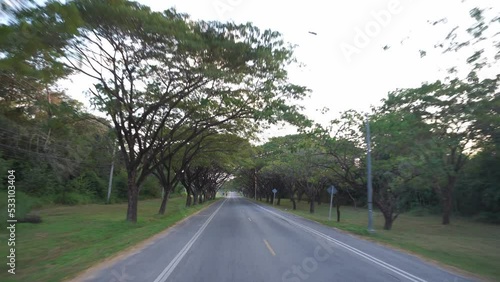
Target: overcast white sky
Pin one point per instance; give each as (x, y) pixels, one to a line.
(344, 69)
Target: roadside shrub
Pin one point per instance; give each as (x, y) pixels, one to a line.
(38, 181)
(424, 210)
(120, 185)
(5, 165)
(24, 205)
(489, 217)
(150, 189)
(89, 183)
(74, 198)
(30, 218)
(115, 200)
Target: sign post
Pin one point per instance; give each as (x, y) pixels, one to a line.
(369, 176)
(332, 191)
(274, 194)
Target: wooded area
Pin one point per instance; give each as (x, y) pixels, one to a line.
(185, 99)
(182, 99)
(435, 148)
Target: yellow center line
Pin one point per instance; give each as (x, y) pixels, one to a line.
(269, 247)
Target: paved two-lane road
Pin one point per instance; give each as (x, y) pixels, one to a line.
(236, 240)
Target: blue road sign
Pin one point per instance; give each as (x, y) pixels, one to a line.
(332, 190)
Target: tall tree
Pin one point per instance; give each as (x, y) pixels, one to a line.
(449, 110)
(154, 70)
(396, 138)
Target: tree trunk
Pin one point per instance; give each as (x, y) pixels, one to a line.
(311, 205)
(188, 199)
(388, 222)
(447, 206)
(195, 198)
(446, 195)
(352, 198)
(133, 197)
(447, 198)
(387, 212)
(389, 216)
(338, 211)
(279, 199)
(163, 205)
(294, 204)
(318, 198)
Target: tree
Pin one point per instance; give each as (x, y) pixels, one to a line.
(156, 70)
(396, 135)
(449, 111)
(281, 162)
(462, 109)
(343, 144)
(310, 177)
(209, 163)
(477, 189)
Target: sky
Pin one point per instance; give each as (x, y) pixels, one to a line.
(345, 64)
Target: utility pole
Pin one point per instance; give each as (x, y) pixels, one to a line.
(369, 176)
(111, 175)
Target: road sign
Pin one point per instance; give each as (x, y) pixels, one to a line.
(332, 190)
(274, 194)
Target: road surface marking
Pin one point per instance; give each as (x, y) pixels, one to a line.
(373, 259)
(269, 247)
(171, 266)
(249, 219)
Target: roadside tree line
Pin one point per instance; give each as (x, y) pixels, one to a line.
(428, 151)
(436, 145)
(182, 97)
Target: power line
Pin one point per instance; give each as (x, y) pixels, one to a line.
(46, 155)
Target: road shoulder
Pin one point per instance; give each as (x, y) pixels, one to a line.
(132, 250)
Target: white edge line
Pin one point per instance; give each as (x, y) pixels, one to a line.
(171, 266)
(386, 265)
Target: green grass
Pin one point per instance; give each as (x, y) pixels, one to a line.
(467, 246)
(71, 239)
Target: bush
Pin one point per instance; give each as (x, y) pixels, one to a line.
(38, 181)
(419, 211)
(5, 165)
(424, 210)
(30, 218)
(115, 200)
(489, 217)
(89, 183)
(151, 188)
(74, 198)
(120, 185)
(24, 205)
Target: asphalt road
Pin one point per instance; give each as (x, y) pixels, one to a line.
(236, 240)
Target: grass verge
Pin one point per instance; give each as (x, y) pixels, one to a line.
(469, 247)
(71, 239)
